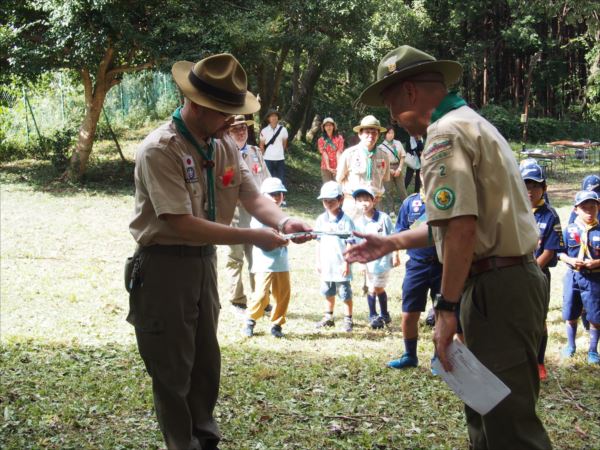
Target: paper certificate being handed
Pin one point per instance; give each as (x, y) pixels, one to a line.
(474, 383)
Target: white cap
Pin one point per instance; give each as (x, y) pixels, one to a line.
(271, 185)
(331, 189)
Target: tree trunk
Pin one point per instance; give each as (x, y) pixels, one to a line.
(87, 133)
(295, 113)
(95, 92)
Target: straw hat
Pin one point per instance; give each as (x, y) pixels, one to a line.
(240, 120)
(326, 121)
(218, 82)
(369, 122)
(404, 62)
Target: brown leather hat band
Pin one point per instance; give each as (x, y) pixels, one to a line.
(409, 66)
(216, 93)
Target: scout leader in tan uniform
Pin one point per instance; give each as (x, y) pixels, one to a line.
(189, 176)
(253, 158)
(363, 165)
(485, 235)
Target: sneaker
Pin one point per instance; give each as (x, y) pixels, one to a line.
(430, 320)
(325, 322)
(404, 362)
(376, 322)
(249, 328)
(348, 324)
(268, 308)
(276, 331)
(386, 318)
(542, 372)
(239, 309)
(593, 358)
(567, 352)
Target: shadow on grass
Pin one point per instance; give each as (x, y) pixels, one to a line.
(107, 176)
(75, 396)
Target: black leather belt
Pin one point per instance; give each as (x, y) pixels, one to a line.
(498, 262)
(180, 250)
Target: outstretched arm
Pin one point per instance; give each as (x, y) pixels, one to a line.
(375, 246)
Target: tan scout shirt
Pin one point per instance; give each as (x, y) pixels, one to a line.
(352, 169)
(169, 179)
(469, 169)
(255, 162)
(253, 158)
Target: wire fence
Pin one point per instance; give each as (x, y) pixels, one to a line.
(32, 113)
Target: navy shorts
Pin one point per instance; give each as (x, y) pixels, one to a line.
(581, 291)
(421, 276)
(343, 289)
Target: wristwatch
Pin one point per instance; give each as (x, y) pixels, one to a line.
(441, 304)
(282, 223)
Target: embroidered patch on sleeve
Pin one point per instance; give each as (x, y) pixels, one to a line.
(443, 198)
(439, 148)
(190, 169)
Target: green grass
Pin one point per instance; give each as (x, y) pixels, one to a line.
(72, 378)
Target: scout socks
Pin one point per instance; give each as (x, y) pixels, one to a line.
(594, 340)
(372, 306)
(571, 333)
(542, 350)
(383, 304)
(410, 346)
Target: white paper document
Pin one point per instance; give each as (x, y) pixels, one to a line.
(474, 383)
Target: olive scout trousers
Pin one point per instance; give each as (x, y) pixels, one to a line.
(234, 262)
(502, 315)
(175, 310)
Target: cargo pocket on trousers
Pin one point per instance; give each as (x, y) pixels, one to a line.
(502, 360)
(150, 333)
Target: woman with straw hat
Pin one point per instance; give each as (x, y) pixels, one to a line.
(331, 146)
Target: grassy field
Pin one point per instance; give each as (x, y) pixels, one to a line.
(72, 378)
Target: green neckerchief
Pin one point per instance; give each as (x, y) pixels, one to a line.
(208, 162)
(370, 154)
(392, 148)
(451, 101)
(330, 142)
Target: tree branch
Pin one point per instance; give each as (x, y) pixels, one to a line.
(124, 69)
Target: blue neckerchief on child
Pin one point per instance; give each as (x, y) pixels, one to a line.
(244, 149)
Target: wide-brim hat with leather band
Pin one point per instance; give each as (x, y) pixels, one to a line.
(402, 63)
(241, 120)
(218, 82)
(369, 122)
(272, 111)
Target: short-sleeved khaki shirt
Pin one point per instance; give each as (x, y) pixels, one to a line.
(469, 169)
(254, 160)
(352, 169)
(170, 179)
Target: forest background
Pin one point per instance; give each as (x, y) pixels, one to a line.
(63, 62)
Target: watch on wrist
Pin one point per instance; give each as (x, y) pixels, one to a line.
(442, 304)
(282, 223)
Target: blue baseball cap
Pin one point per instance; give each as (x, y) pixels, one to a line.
(590, 183)
(583, 196)
(363, 190)
(533, 172)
